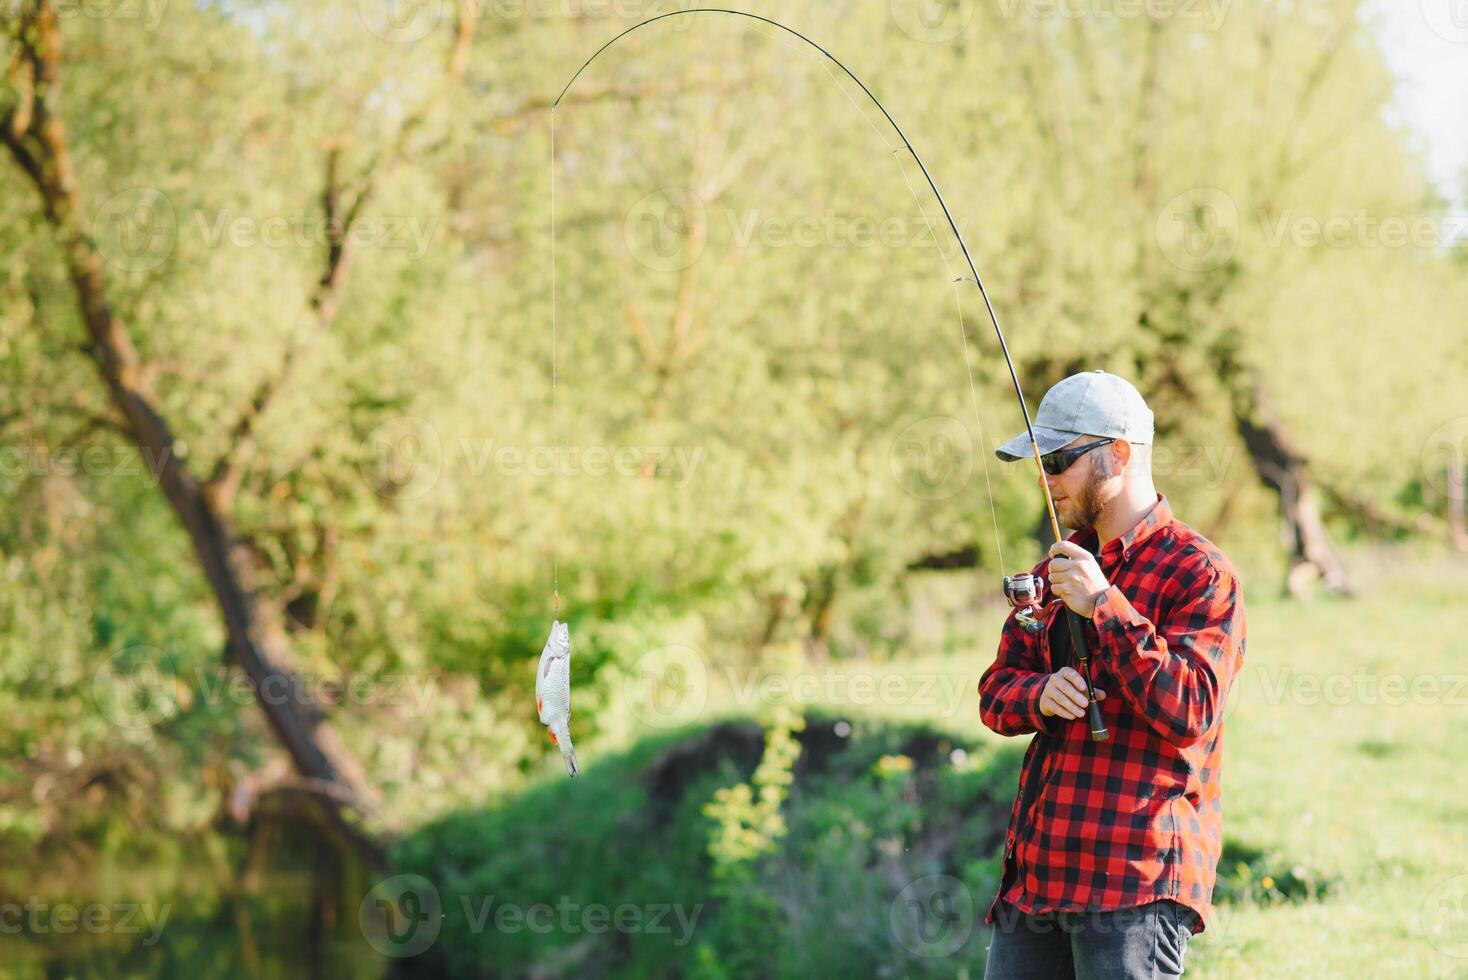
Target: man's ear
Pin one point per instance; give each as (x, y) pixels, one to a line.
(1121, 455)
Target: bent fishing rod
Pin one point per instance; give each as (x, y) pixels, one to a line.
(1022, 594)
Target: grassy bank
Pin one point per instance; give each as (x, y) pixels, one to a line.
(1345, 816)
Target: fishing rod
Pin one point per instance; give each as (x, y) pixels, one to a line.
(1022, 591)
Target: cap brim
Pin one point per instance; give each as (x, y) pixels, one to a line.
(1048, 439)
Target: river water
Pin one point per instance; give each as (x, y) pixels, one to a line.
(281, 902)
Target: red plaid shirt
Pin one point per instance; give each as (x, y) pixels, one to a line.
(1110, 825)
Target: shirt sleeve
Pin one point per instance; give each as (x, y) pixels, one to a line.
(1175, 673)
(1009, 691)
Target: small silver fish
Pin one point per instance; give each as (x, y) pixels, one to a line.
(553, 692)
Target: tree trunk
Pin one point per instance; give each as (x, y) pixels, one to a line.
(775, 607)
(1283, 470)
(820, 606)
(36, 138)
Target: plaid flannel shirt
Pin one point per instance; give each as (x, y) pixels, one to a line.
(1110, 825)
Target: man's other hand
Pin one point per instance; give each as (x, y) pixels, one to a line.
(1065, 694)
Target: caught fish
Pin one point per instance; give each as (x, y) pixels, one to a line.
(553, 692)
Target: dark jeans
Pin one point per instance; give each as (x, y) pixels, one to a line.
(1142, 943)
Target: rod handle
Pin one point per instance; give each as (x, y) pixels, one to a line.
(1099, 731)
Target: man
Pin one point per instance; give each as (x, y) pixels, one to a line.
(1112, 847)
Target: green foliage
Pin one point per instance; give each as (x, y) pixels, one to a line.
(747, 816)
(1244, 875)
(748, 828)
(772, 398)
(855, 833)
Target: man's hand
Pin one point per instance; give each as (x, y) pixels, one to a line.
(1075, 577)
(1065, 694)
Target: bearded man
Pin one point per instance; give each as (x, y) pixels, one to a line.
(1112, 847)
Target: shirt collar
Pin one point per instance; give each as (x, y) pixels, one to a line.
(1154, 520)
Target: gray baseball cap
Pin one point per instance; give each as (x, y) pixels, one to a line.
(1093, 403)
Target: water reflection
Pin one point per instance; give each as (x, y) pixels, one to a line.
(281, 901)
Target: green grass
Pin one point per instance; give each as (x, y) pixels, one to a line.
(1332, 769)
(1346, 807)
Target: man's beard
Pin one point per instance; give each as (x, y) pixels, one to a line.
(1086, 507)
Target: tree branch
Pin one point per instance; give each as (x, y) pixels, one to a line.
(326, 300)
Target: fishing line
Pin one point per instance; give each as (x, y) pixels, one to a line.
(932, 233)
(973, 268)
(1098, 728)
(967, 360)
(954, 279)
(555, 431)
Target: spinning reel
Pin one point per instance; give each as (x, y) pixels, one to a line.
(1023, 592)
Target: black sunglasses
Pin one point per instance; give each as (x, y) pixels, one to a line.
(1061, 460)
